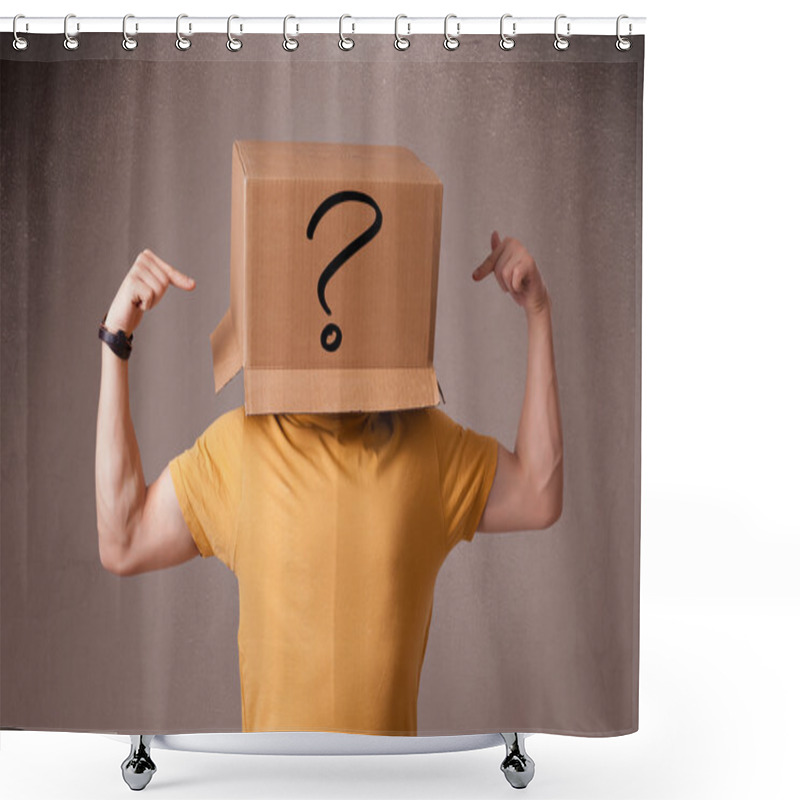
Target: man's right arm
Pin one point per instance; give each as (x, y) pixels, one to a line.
(162, 538)
(139, 527)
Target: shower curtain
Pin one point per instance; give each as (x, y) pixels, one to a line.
(110, 153)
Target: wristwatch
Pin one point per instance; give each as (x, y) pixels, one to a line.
(118, 342)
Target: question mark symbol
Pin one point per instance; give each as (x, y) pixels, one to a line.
(332, 330)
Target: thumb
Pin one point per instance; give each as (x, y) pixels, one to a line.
(488, 265)
(177, 278)
(188, 283)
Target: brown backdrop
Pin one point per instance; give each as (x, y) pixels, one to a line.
(106, 152)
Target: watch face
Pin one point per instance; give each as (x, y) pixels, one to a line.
(118, 342)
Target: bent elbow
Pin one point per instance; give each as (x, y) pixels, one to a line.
(110, 566)
(112, 560)
(555, 516)
(546, 514)
(544, 496)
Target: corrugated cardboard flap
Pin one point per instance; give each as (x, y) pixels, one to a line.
(225, 351)
(269, 391)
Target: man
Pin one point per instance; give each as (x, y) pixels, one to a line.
(335, 524)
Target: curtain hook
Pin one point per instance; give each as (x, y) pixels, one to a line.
(344, 42)
(622, 43)
(233, 44)
(560, 42)
(182, 43)
(400, 42)
(451, 42)
(128, 42)
(19, 42)
(70, 42)
(506, 41)
(290, 42)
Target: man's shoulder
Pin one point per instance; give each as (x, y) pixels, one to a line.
(436, 417)
(234, 416)
(227, 423)
(417, 417)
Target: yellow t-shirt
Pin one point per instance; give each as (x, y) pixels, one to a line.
(336, 526)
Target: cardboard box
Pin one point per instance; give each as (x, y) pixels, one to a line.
(334, 273)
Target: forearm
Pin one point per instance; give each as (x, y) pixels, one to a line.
(119, 480)
(539, 445)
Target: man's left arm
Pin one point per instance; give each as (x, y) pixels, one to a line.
(527, 491)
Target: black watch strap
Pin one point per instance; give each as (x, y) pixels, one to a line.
(118, 342)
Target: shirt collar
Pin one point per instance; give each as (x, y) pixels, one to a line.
(334, 422)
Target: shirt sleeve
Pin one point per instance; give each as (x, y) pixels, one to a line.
(208, 479)
(467, 464)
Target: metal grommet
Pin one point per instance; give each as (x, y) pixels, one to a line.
(128, 42)
(19, 43)
(70, 42)
(560, 42)
(451, 42)
(344, 42)
(622, 43)
(290, 42)
(506, 41)
(182, 43)
(400, 42)
(233, 44)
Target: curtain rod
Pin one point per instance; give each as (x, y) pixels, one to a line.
(406, 26)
